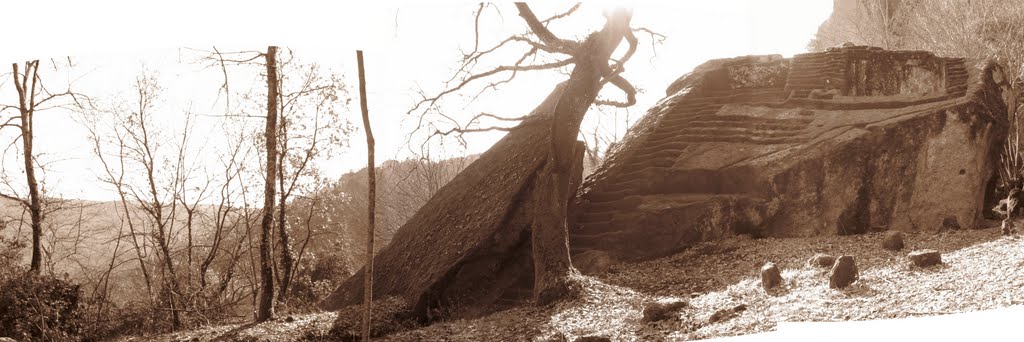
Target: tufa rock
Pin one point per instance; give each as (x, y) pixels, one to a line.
(763, 158)
(593, 262)
(661, 310)
(467, 249)
(893, 240)
(843, 273)
(950, 222)
(925, 257)
(821, 260)
(770, 276)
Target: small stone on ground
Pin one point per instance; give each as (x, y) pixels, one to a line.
(593, 339)
(821, 260)
(770, 276)
(893, 240)
(661, 310)
(925, 257)
(843, 273)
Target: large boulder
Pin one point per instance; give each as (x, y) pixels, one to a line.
(467, 250)
(908, 141)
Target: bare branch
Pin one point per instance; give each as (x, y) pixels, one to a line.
(562, 15)
(542, 32)
(433, 100)
(626, 87)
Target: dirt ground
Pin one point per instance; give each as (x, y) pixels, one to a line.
(981, 270)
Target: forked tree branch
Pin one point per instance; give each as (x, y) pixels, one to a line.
(542, 32)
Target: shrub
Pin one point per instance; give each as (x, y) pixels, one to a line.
(38, 308)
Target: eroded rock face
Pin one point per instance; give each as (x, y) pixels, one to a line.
(907, 141)
(467, 251)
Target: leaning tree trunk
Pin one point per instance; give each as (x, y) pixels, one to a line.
(551, 264)
(265, 311)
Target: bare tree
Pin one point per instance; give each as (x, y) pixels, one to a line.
(371, 200)
(265, 310)
(866, 22)
(310, 125)
(33, 96)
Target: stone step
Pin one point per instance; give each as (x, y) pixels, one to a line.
(744, 118)
(673, 142)
(607, 196)
(747, 124)
(657, 153)
(617, 185)
(739, 131)
(740, 139)
(660, 162)
(623, 203)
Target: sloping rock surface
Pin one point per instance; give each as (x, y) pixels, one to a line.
(468, 247)
(847, 141)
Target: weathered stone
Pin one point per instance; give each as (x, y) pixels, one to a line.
(593, 339)
(950, 222)
(770, 276)
(389, 314)
(593, 262)
(821, 260)
(725, 314)
(893, 240)
(661, 310)
(843, 273)
(925, 257)
(467, 252)
(907, 142)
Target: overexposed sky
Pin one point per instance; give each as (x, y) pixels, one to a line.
(407, 46)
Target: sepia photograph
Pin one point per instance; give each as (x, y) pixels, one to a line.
(721, 170)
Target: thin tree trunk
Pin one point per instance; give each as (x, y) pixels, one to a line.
(26, 88)
(265, 311)
(371, 201)
(287, 260)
